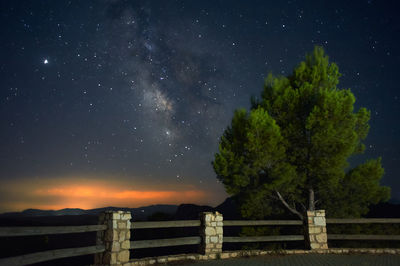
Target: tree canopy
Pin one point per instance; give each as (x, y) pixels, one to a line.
(292, 148)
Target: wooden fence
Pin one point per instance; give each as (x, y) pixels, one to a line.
(192, 240)
(196, 239)
(50, 254)
(231, 239)
(363, 221)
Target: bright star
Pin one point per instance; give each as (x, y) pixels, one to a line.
(46, 61)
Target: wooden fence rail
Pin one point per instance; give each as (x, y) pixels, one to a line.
(363, 237)
(165, 224)
(51, 255)
(191, 240)
(364, 221)
(234, 239)
(48, 230)
(261, 222)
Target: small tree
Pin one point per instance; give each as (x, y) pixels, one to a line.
(294, 144)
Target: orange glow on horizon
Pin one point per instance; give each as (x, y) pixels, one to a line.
(88, 194)
(112, 193)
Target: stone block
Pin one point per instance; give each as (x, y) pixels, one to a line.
(162, 260)
(123, 256)
(214, 239)
(211, 245)
(212, 256)
(321, 238)
(310, 213)
(218, 218)
(319, 221)
(122, 225)
(126, 244)
(122, 235)
(324, 246)
(116, 216)
(219, 230)
(126, 216)
(115, 246)
(314, 246)
(315, 230)
(128, 224)
(214, 224)
(224, 255)
(210, 231)
(220, 224)
(207, 217)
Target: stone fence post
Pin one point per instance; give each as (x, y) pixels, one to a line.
(315, 231)
(116, 238)
(211, 233)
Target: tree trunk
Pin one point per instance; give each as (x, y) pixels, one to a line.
(293, 210)
(311, 200)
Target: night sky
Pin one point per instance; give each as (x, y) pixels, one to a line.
(122, 102)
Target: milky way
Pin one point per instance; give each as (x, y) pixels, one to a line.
(141, 91)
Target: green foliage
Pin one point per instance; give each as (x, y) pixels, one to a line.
(298, 137)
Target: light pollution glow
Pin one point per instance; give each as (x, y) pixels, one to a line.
(82, 193)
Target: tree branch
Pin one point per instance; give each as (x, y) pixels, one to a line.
(287, 205)
(303, 206)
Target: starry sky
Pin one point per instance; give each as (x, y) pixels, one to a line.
(123, 102)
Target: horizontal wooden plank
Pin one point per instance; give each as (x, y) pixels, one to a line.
(261, 222)
(231, 239)
(363, 237)
(191, 240)
(364, 221)
(50, 255)
(165, 224)
(48, 230)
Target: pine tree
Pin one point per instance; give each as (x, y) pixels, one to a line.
(292, 148)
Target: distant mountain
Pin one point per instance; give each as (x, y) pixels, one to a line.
(228, 208)
(137, 213)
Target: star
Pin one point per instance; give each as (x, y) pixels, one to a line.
(45, 61)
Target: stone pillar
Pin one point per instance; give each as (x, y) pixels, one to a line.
(211, 233)
(315, 231)
(116, 238)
